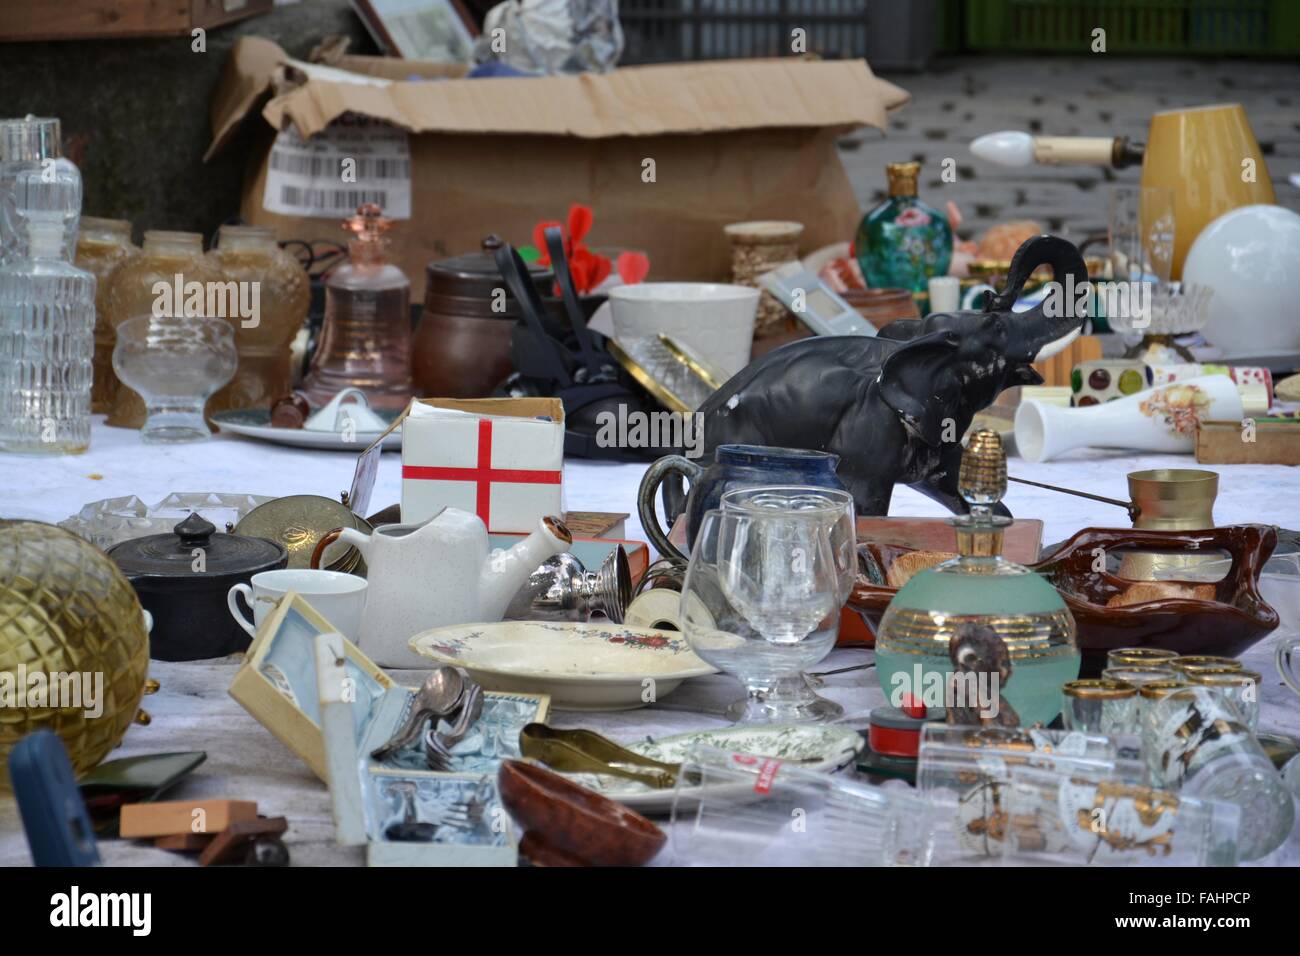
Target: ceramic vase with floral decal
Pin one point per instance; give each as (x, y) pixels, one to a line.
(1158, 419)
(903, 242)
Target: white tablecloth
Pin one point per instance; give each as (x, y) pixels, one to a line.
(194, 712)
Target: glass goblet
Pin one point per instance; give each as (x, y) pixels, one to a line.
(761, 602)
(175, 363)
(835, 509)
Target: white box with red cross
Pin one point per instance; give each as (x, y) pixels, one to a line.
(499, 458)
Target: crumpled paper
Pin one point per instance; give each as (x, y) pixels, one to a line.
(552, 36)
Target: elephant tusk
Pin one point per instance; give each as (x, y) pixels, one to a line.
(1056, 345)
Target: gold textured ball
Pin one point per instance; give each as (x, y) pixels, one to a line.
(66, 609)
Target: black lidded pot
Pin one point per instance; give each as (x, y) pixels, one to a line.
(183, 578)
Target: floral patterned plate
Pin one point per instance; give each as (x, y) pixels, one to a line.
(813, 747)
(596, 666)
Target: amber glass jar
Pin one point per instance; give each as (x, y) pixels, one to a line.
(272, 284)
(103, 245)
(171, 258)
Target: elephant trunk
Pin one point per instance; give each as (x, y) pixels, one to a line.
(1052, 324)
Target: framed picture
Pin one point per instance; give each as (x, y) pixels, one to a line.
(439, 31)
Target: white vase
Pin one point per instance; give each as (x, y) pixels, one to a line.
(1160, 419)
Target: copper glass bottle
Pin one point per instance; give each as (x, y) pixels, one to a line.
(272, 293)
(365, 342)
(170, 259)
(103, 245)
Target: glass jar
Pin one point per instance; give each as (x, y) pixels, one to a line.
(1196, 740)
(903, 242)
(977, 596)
(272, 294)
(173, 260)
(102, 245)
(365, 341)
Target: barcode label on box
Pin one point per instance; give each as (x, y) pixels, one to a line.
(338, 169)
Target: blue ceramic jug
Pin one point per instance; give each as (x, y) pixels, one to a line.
(734, 466)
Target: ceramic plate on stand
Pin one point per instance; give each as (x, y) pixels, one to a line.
(256, 423)
(596, 666)
(821, 748)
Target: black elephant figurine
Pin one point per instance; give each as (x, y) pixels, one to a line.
(895, 407)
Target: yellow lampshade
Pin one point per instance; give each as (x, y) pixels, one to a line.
(1202, 154)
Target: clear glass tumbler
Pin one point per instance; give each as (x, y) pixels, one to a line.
(175, 363)
(1195, 740)
(1100, 706)
(735, 809)
(1065, 820)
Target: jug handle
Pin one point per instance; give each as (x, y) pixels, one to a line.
(1287, 646)
(326, 540)
(645, 499)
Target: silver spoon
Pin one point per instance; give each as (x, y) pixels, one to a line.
(437, 746)
(439, 695)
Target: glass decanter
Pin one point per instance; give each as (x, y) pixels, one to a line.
(47, 322)
(365, 341)
(903, 242)
(275, 284)
(173, 260)
(102, 245)
(967, 595)
(36, 179)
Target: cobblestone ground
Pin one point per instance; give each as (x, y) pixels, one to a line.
(1100, 95)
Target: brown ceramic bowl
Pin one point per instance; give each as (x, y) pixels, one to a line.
(1227, 624)
(568, 825)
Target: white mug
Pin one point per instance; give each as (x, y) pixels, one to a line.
(338, 597)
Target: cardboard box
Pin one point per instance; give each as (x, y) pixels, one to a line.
(665, 155)
(493, 457)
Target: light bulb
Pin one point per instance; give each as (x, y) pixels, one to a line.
(1007, 148)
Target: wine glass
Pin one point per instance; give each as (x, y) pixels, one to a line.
(836, 509)
(175, 363)
(761, 601)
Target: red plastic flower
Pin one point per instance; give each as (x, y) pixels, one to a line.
(588, 269)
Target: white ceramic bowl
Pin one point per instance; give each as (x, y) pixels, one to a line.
(1250, 257)
(714, 319)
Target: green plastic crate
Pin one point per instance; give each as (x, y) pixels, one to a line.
(1187, 27)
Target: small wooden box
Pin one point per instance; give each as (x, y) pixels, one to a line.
(100, 19)
(1277, 442)
(277, 685)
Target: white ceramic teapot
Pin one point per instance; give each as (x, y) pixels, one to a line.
(439, 573)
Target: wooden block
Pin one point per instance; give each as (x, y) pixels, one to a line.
(595, 524)
(231, 840)
(185, 842)
(175, 817)
(1276, 443)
